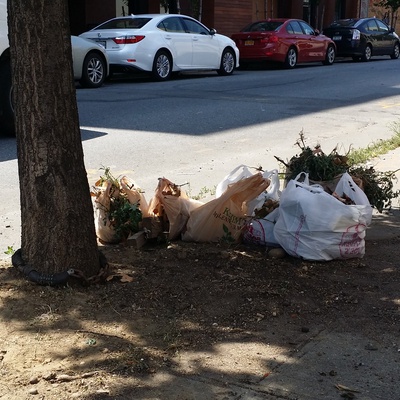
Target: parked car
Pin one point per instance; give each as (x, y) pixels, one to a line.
(90, 65)
(90, 62)
(164, 43)
(363, 38)
(287, 41)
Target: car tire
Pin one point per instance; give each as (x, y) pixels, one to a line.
(7, 123)
(162, 66)
(396, 52)
(94, 71)
(367, 53)
(330, 55)
(291, 58)
(228, 62)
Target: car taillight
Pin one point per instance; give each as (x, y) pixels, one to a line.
(128, 39)
(356, 34)
(269, 39)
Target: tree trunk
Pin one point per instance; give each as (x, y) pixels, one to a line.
(56, 211)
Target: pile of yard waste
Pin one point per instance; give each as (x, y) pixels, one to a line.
(317, 209)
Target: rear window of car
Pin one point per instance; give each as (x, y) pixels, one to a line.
(382, 27)
(267, 26)
(124, 23)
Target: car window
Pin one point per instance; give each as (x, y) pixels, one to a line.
(172, 24)
(371, 26)
(382, 27)
(307, 28)
(195, 27)
(124, 23)
(262, 26)
(294, 28)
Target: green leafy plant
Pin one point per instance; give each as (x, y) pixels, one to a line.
(124, 217)
(10, 251)
(378, 186)
(204, 192)
(321, 167)
(227, 238)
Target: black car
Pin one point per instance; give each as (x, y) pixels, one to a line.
(363, 38)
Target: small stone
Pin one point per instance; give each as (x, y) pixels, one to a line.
(49, 376)
(33, 391)
(277, 253)
(34, 380)
(102, 391)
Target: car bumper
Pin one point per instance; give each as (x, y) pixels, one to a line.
(351, 48)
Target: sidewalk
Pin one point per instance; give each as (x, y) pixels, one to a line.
(351, 351)
(386, 225)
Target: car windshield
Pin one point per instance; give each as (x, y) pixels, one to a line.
(345, 22)
(124, 23)
(262, 26)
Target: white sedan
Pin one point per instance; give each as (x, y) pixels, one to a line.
(90, 62)
(164, 43)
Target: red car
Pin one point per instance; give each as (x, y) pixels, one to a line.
(288, 41)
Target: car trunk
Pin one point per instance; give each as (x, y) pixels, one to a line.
(105, 38)
(251, 42)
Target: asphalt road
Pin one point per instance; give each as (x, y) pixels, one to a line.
(197, 127)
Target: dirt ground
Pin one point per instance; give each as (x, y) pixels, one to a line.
(188, 308)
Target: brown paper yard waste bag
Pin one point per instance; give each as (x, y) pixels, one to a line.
(223, 218)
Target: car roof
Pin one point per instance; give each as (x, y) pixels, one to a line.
(152, 19)
(277, 20)
(351, 22)
(149, 16)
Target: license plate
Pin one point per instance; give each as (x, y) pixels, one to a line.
(102, 43)
(249, 43)
(337, 38)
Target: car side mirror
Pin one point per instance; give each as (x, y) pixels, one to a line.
(213, 31)
(317, 32)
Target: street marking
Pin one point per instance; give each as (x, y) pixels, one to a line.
(389, 105)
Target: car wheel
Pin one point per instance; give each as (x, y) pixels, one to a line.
(162, 66)
(227, 62)
(7, 124)
(291, 58)
(367, 53)
(94, 71)
(396, 52)
(330, 55)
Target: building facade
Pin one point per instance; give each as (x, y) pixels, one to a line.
(226, 16)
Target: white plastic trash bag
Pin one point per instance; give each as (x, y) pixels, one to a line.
(243, 171)
(260, 231)
(315, 225)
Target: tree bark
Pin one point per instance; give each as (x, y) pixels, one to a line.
(56, 210)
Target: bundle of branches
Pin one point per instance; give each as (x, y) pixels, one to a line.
(321, 167)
